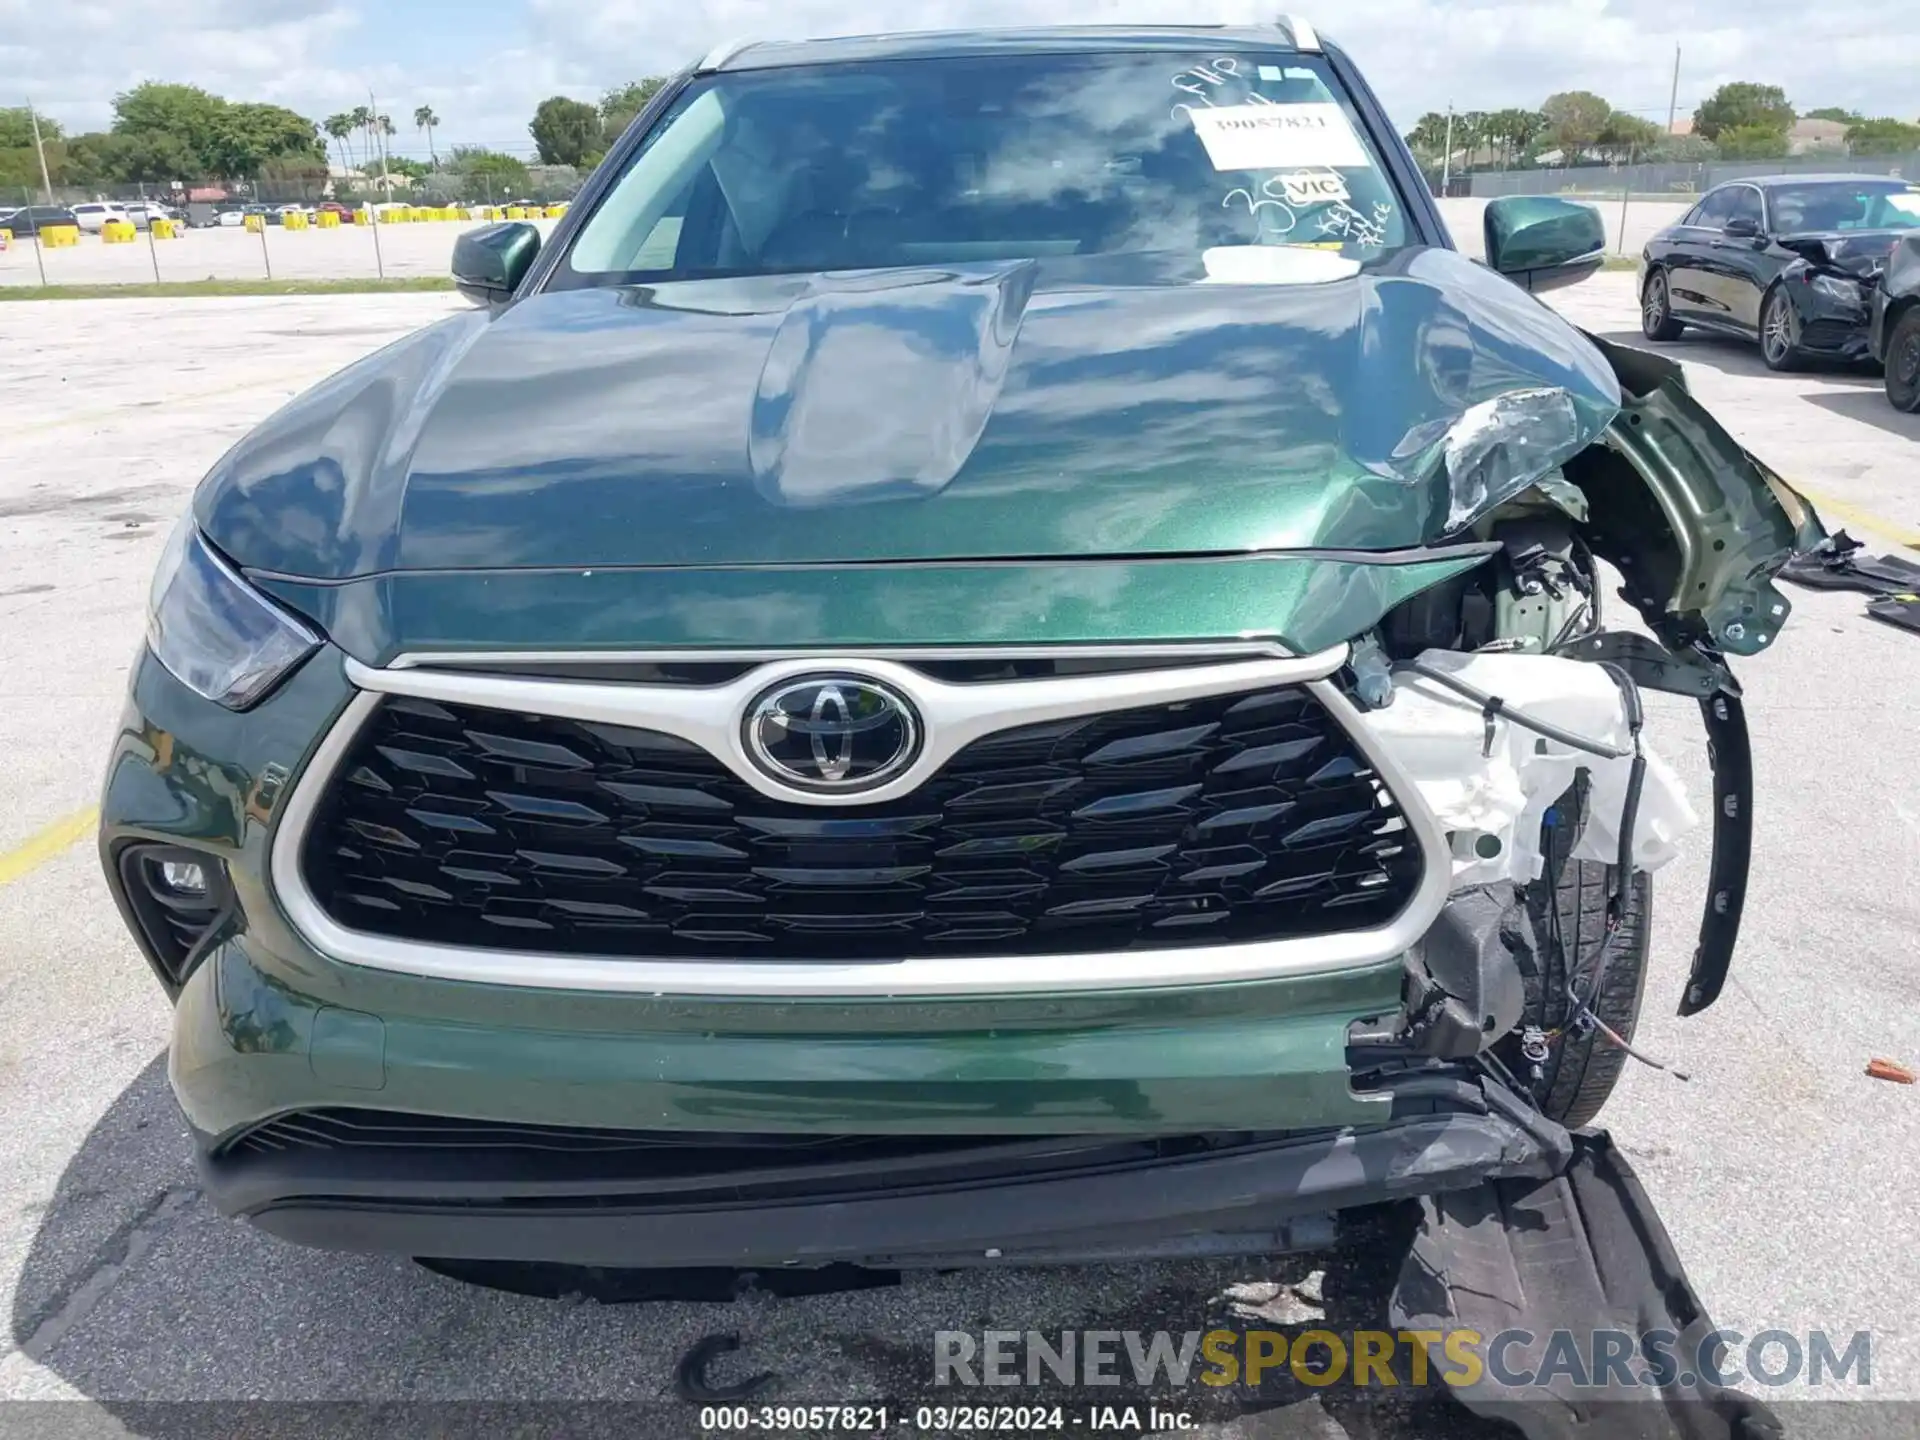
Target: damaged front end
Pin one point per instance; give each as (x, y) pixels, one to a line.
(1514, 709)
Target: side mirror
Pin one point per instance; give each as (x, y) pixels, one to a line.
(1542, 242)
(1743, 227)
(489, 263)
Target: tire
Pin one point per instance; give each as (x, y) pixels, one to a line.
(1903, 362)
(1656, 312)
(1580, 1070)
(1779, 332)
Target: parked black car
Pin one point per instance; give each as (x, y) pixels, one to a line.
(32, 219)
(1894, 334)
(1788, 260)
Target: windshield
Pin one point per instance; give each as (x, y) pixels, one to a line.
(1846, 205)
(944, 161)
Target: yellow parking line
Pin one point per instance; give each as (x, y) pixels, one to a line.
(36, 850)
(1861, 518)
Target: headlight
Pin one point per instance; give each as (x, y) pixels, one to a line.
(215, 633)
(1846, 292)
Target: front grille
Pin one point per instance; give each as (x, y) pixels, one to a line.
(1224, 820)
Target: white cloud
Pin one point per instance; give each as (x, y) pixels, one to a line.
(322, 55)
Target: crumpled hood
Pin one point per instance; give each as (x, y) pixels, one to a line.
(1026, 409)
(1860, 252)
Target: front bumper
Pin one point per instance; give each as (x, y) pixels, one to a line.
(267, 1023)
(256, 1036)
(268, 1026)
(1071, 1203)
(1833, 328)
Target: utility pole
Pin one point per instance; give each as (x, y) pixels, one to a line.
(386, 177)
(46, 184)
(1446, 161)
(1673, 100)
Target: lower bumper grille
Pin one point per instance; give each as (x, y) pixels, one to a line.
(1224, 820)
(345, 1131)
(1833, 334)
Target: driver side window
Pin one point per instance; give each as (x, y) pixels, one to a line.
(1713, 211)
(1746, 206)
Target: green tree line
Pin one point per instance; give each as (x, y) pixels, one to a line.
(1742, 120)
(164, 132)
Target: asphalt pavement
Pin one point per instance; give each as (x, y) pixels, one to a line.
(1785, 1175)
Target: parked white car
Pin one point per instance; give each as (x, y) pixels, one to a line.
(96, 213)
(231, 219)
(144, 212)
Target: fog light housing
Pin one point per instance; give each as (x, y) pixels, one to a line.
(180, 903)
(184, 877)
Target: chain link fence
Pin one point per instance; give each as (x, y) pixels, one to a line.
(1673, 180)
(316, 226)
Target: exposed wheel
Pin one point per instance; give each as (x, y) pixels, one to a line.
(1581, 1067)
(1656, 313)
(1903, 362)
(1779, 331)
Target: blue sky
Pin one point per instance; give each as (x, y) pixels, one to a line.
(484, 64)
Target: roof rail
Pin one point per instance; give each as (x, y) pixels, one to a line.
(718, 57)
(1300, 33)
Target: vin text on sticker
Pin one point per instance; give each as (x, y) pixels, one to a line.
(1273, 137)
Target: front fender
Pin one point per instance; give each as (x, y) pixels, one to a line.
(1696, 525)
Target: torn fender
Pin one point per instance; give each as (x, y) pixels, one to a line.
(1698, 527)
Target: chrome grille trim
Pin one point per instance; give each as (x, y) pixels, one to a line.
(708, 717)
(955, 715)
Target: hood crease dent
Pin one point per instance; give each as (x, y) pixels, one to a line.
(1107, 407)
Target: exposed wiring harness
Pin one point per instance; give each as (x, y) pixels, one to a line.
(1493, 708)
(1580, 998)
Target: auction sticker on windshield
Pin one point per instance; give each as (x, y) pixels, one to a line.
(1273, 137)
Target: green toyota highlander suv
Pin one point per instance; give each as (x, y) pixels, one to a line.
(994, 648)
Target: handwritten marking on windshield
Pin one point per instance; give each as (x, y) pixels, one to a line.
(1357, 229)
(1268, 209)
(1209, 75)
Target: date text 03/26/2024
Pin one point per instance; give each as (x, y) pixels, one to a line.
(943, 1419)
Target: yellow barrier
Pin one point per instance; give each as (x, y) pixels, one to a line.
(255, 223)
(118, 232)
(293, 220)
(363, 217)
(554, 212)
(162, 230)
(6, 235)
(327, 220)
(54, 237)
(516, 212)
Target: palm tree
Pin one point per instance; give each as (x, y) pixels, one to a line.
(340, 126)
(362, 119)
(425, 119)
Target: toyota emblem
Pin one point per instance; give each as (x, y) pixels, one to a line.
(832, 734)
